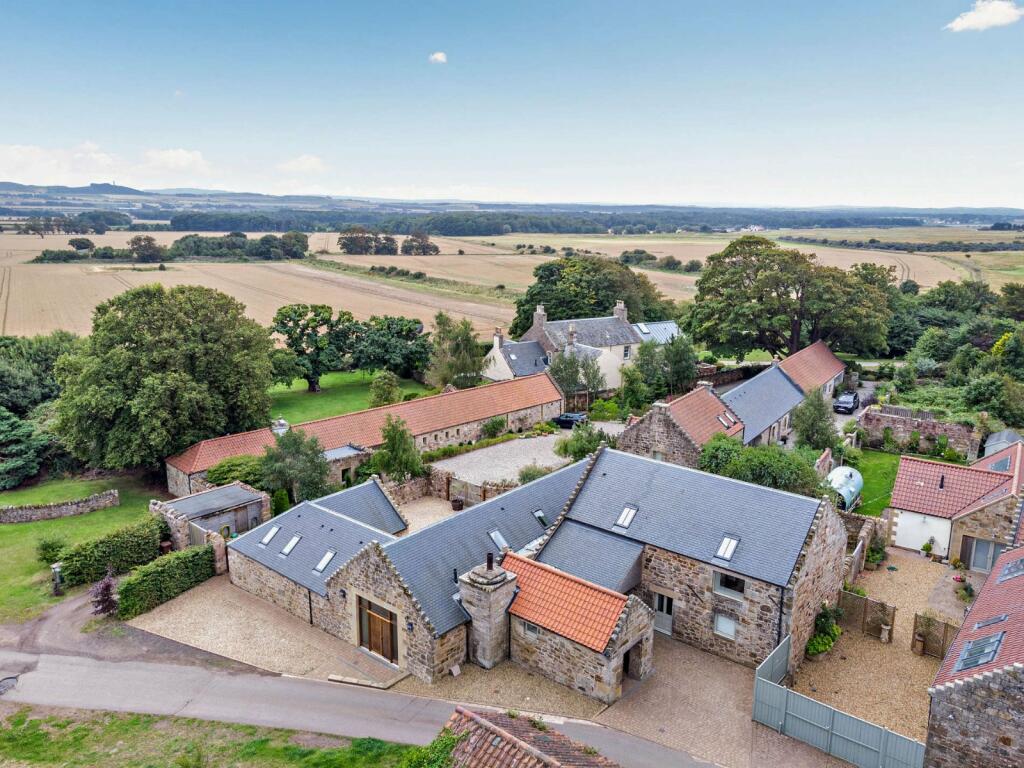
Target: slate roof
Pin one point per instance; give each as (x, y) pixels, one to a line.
(999, 596)
(564, 604)
(813, 367)
(702, 414)
(689, 512)
(572, 547)
(214, 500)
(525, 358)
(763, 400)
(496, 740)
(368, 504)
(320, 530)
(592, 332)
(945, 490)
(997, 441)
(426, 558)
(363, 428)
(660, 331)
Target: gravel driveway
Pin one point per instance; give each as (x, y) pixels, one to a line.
(504, 460)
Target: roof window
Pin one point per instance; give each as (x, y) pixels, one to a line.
(512, 356)
(979, 651)
(290, 545)
(541, 517)
(726, 548)
(498, 539)
(1011, 570)
(642, 327)
(325, 561)
(989, 622)
(628, 513)
(723, 422)
(270, 534)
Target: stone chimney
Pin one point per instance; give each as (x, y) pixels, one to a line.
(572, 334)
(539, 316)
(776, 360)
(706, 385)
(279, 426)
(499, 338)
(620, 311)
(486, 593)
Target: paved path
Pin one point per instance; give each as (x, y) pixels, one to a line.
(276, 702)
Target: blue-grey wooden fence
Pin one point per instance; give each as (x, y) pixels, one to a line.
(847, 737)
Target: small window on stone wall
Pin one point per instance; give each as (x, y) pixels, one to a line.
(729, 586)
(725, 625)
(531, 630)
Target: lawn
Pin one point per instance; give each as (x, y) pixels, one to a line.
(24, 581)
(74, 738)
(879, 471)
(340, 392)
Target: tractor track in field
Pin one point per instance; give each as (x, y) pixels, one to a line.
(6, 276)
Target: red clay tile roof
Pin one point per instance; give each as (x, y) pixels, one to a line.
(362, 428)
(994, 599)
(963, 489)
(564, 604)
(812, 367)
(495, 740)
(701, 414)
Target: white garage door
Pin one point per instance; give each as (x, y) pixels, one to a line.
(914, 529)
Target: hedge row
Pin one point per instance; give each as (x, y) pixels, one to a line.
(123, 549)
(164, 579)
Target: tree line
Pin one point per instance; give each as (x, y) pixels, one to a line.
(943, 246)
(144, 249)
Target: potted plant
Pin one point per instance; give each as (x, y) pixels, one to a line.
(926, 548)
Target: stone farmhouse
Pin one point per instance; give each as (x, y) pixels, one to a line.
(758, 411)
(568, 575)
(611, 340)
(348, 440)
(973, 513)
(976, 716)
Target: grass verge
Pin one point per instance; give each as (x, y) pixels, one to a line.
(340, 392)
(879, 472)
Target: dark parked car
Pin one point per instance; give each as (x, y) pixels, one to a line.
(569, 420)
(848, 402)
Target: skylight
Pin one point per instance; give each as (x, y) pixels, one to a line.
(324, 561)
(1011, 569)
(642, 327)
(498, 539)
(726, 548)
(628, 513)
(541, 517)
(290, 545)
(270, 534)
(1002, 465)
(979, 651)
(989, 622)
(723, 422)
(512, 357)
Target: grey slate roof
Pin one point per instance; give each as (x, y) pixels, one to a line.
(342, 452)
(1001, 439)
(689, 512)
(426, 558)
(321, 530)
(214, 500)
(525, 358)
(761, 401)
(597, 556)
(592, 331)
(366, 503)
(582, 350)
(661, 331)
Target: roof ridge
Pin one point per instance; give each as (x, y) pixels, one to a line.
(565, 574)
(508, 736)
(342, 516)
(965, 467)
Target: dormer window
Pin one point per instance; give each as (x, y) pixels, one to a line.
(626, 517)
(727, 548)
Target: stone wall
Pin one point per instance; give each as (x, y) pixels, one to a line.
(859, 531)
(995, 522)
(658, 433)
(269, 585)
(32, 512)
(961, 438)
(978, 723)
(178, 483)
(410, 490)
(239, 518)
(472, 431)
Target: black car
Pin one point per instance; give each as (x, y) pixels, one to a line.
(569, 420)
(848, 402)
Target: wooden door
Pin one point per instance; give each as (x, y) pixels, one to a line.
(378, 633)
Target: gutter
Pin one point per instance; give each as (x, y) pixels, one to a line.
(778, 628)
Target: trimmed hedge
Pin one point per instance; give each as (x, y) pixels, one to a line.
(123, 549)
(164, 579)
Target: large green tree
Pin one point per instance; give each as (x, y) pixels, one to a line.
(296, 463)
(756, 295)
(163, 369)
(395, 343)
(680, 364)
(26, 369)
(813, 423)
(21, 450)
(397, 458)
(1011, 301)
(767, 465)
(456, 358)
(311, 332)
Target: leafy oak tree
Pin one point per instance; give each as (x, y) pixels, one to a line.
(296, 463)
(146, 249)
(163, 369)
(418, 244)
(395, 343)
(311, 332)
(21, 450)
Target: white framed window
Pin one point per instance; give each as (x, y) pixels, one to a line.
(626, 516)
(625, 352)
(541, 517)
(530, 630)
(499, 540)
(725, 625)
(729, 586)
(727, 548)
(290, 545)
(325, 561)
(270, 534)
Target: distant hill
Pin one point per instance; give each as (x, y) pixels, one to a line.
(92, 189)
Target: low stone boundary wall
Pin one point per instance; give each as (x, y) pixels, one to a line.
(859, 531)
(875, 421)
(33, 512)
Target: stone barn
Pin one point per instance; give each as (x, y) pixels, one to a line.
(229, 510)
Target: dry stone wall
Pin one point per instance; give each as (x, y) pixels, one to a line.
(961, 438)
(33, 512)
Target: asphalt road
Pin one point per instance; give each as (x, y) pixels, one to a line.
(277, 702)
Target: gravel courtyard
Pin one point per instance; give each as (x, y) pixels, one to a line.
(504, 460)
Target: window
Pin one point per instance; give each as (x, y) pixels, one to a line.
(541, 517)
(979, 651)
(628, 513)
(725, 625)
(1011, 570)
(530, 630)
(325, 561)
(270, 534)
(657, 455)
(511, 356)
(625, 352)
(499, 540)
(989, 622)
(643, 327)
(446, 434)
(663, 604)
(290, 545)
(726, 548)
(723, 422)
(729, 586)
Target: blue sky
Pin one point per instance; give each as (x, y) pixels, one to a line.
(780, 103)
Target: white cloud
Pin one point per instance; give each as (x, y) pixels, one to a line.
(438, 57)
(62, 165)
(303, 164)
(176, 160)
(987, 14)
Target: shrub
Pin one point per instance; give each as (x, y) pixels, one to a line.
(121, 550)
(544, 428)
(605, 410)
(693, 265)
(886, 371)
(531, 472)
(248, 469)
(709, 358)
(104, 600)
(582, 441)
(826, 630)
(280, 502)
(913, 444)
(448, 451)
(494, 426)
(876, 550)
(855, 589)
(49, 549)
(166, 578)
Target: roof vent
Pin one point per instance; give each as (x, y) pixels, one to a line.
(727, 548)
(942, 481)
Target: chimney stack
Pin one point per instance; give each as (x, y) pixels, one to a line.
(540, 317)
(620, 311)
(486, 593)
(572, 334)
(499, 338)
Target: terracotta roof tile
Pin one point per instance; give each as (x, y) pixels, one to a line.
(703, 415)
(995, 599)
(363, 428)
(812, 367)
(564, 604)
(495, 740)
(945, 490)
